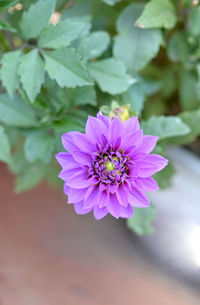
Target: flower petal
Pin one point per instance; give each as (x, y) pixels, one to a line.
(122, 195)
(126, 212)
(64, 158)
(131, 125)
(68, 142)
(76, 195)
(79, 208)
(92, 196)
(94, 129)
(150, 165)
(138, 199)
(79, 180)
(99, 213)
(148, 144)
(147, 184)
(103, 198)
(104, 118)
(113, 206)
(82, 157)
(83, 143)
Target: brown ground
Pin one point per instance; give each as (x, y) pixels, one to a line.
(50, 256)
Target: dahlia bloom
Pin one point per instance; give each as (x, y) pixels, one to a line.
(108, 169)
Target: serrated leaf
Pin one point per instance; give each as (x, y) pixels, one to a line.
(111, 2)
(16, 112)
(31, 71)
(165, 127)
(39, 145)
(62, 34)
(29, 177)
(135, 47)
(94, 45)
(141, 221)
(66, 67)
(6, 26)
(111, 76)
(36, 18)
(4, 146)
(9, 76)
(158, 14)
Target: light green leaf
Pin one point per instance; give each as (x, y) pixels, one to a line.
(111, 2)
(73, 121)
(111, 76)
(31, 71)
(158, 14)
(135, 47)
(9, 77)
(177, 48)
(16, 112)
(65, 66)
(194, 21)
(94, 45)
(140, 223)
(36, 18)
(4, 146)
(39, 145)
(164, 127)
(192, 119)
(6, 26)
(29, 177)
(62, 34)
(187, 91)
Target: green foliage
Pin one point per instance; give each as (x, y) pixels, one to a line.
(100, 53)
(135, 47)
(141, 221)
(111, 76)
(165, 127)
(158, 14)
(4, 147)
(36, 18)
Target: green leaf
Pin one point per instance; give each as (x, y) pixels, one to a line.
(111, 76)
(74, 121)
(192, 119)
(81, 96)
(9, 76)
(66, 67)
(4, 146)
(31, 71)
(16, 112)
(36, 18)
(140, 223)
(94, 45)
(188, 91)
(135, 47)
(29, 177)
(7, 3)
(111, 2)
(165, 127)
(177, 48)
(39, 145)
(6, 26)
(194, 21)
(158, 14)
(62, 34)
(135, 96)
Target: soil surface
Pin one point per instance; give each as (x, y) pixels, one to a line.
(50, 256)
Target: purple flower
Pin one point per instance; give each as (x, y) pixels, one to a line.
(108, 168)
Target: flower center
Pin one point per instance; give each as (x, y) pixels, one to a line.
(110, 166)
